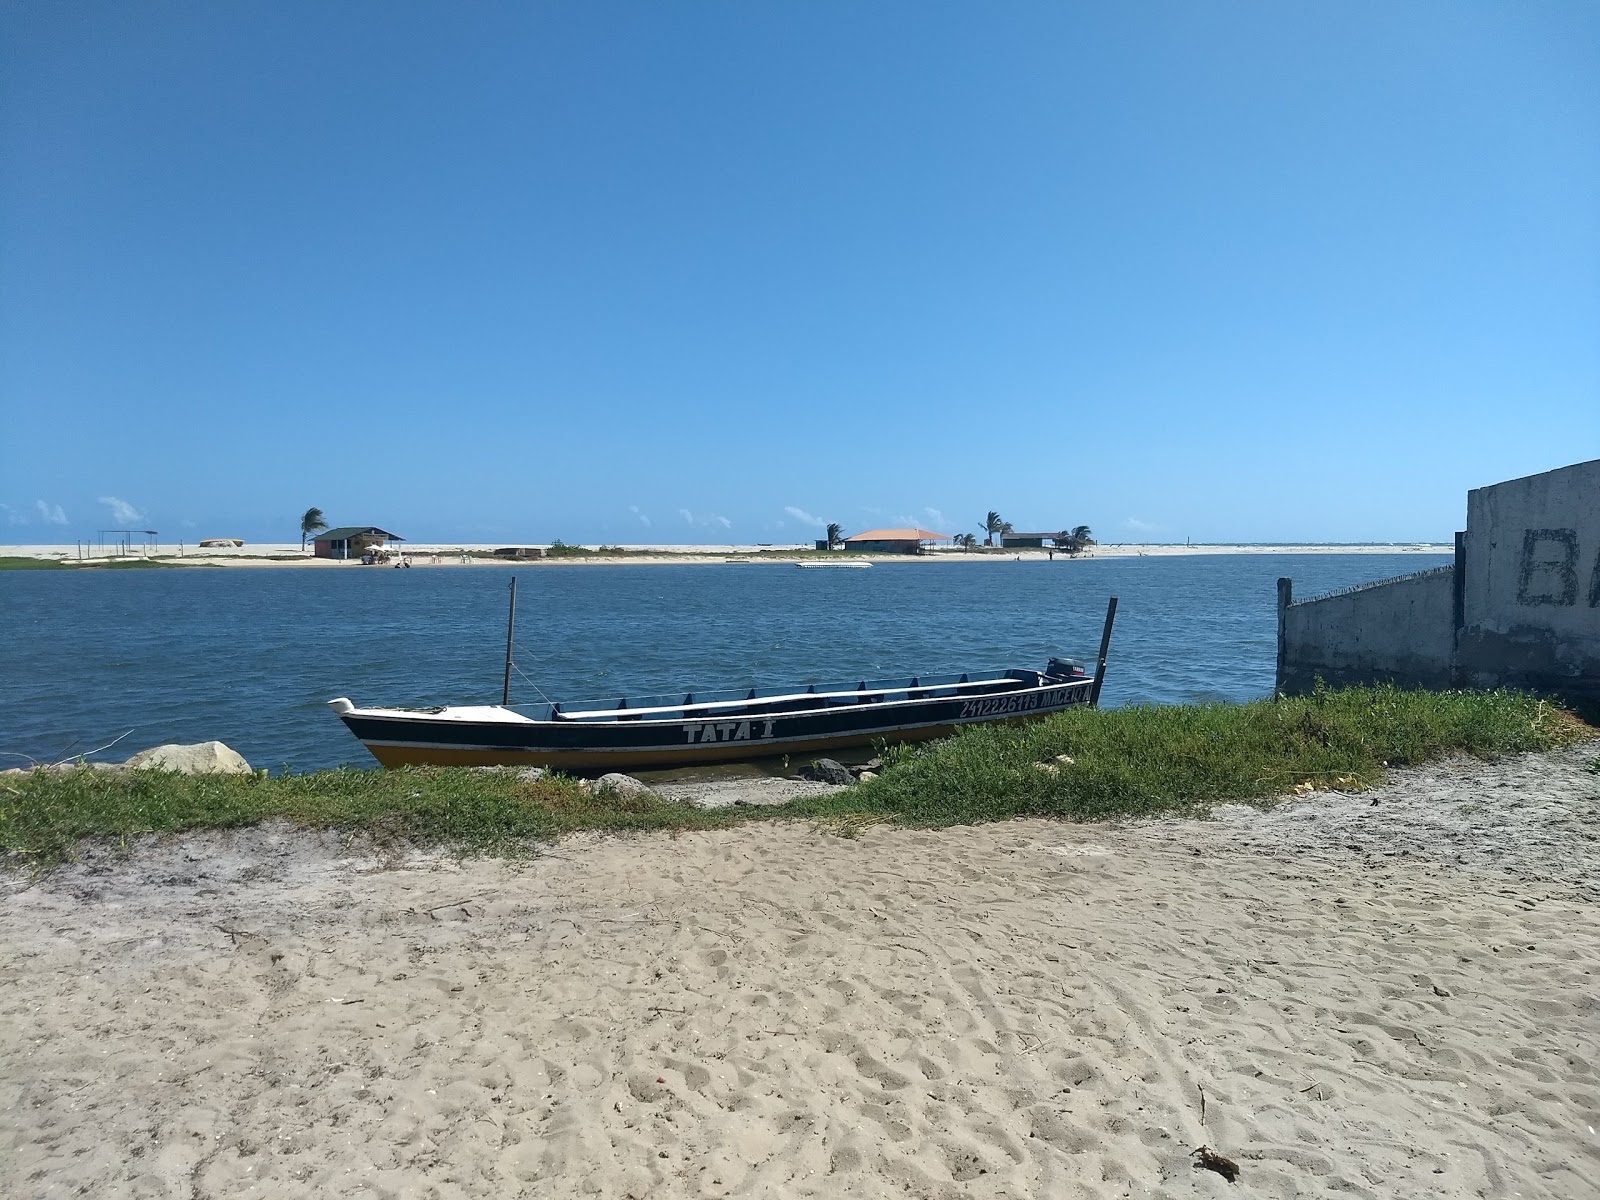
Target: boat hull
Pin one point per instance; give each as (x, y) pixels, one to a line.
(397, 738)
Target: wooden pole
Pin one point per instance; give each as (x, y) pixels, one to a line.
(1105, 644)
(511, 624)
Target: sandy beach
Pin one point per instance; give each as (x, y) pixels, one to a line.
(290, 555)
(1389, 993)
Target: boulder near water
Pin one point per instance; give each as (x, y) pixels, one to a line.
(204, 758)
(622, 785)
(826, 770)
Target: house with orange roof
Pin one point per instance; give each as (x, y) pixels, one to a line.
(893, 541)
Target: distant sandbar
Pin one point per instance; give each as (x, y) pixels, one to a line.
(480, 555)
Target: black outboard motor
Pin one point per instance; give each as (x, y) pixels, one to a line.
(1065, 668)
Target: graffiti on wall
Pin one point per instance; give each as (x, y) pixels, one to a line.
(1550, 571)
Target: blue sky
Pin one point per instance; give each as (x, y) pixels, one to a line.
(715, 271)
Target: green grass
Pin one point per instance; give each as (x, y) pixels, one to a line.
(70, 564)
(44, 814)
(1148, 760)
(559, 549)
(1126, 762)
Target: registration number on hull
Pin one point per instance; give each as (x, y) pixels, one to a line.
(999, 706)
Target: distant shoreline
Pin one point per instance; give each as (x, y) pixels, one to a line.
(289, 555)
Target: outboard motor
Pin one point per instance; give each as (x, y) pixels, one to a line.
(1065, 668)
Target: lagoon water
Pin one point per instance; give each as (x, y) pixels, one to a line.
(250, 656)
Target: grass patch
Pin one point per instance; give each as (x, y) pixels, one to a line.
(74, 564)
(1145, 761)
(1125, 762)
(44, 813)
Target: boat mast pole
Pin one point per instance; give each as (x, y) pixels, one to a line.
(1100, 663)
(511, 624)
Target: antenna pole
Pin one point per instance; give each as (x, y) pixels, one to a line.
(511, 624)
(1100, 663)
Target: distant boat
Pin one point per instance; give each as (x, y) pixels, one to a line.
(818, 564)
(696, 728)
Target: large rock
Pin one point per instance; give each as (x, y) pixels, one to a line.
(207, 758)
(622, 785)
(825, 770)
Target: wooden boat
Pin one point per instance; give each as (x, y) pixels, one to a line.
(701, 728)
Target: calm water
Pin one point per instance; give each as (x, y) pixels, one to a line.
(251, 656)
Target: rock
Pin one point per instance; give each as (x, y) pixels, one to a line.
(623, 785)
(866, 775)
(206, 758)
(825, 770)
(1053, 767)
(529, 774)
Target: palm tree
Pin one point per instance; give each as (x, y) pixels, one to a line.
(835, 534)
(1074, 540)
(992, 525)
(966, 541)
(310, 523)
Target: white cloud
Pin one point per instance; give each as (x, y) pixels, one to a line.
(1139, 526)
(50, 514)
(643, 520)
(13, 517)
(711, 519)
(935, 515)
(122, 511)
(805, 518)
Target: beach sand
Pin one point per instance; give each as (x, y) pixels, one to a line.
(1385, 994)
(289, 555)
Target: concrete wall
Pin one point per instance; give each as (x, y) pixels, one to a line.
(1531, 616)
(1521, 607)
(1400, 630)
